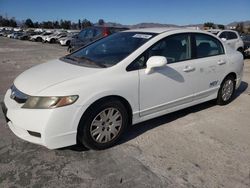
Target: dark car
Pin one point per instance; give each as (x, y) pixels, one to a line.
(246, 41)
(90, 34)
(26, 35)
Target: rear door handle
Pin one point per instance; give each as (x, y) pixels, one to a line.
(221, 62)
(189, 69)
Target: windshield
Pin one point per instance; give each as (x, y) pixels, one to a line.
(109, 50)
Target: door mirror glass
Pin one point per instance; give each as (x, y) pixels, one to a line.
(155, 61)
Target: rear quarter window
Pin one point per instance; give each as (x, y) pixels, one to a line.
(231, 35)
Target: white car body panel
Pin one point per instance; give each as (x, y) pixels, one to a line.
(234, 43)
(173, 89)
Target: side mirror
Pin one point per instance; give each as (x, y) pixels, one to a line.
(155, 61)
(223, 39)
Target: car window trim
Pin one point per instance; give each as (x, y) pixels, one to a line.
(195, 47)
(130, 66)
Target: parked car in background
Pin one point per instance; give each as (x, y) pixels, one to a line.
(39, 37)
(231, 37)
(91, 34)
(26, 35)
(214, 31)
(54, 37)
(65, 41)
(10, 35)
(2, 32)
(7, 32)
(16, 35)
(93, 94)
(246, 41)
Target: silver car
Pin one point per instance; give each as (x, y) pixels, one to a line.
(65, 41)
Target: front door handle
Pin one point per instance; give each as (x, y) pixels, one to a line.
(221, 62)
(189, 69)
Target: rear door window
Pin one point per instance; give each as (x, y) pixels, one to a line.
(207, 45)
(223, 35)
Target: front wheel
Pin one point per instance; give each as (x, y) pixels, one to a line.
(226, 91)
(102, 125)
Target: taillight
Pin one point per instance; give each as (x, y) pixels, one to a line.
(105, 32)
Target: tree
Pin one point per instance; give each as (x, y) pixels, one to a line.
(29, 23)
(220, 26)
(209, 25)
(248, 29)
(65, 24)
(56, 25)
(240, 27)
(13, 22)
(86, 23)
(36, 25)
(79, 24)
(101, 22)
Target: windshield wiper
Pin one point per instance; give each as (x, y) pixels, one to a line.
(80, 60)
(92, 62)
(70, 58)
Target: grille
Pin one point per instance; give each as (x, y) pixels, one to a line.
(17, 95)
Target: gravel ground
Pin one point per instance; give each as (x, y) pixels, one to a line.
(202, 146)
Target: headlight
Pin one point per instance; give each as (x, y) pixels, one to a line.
(49, 102)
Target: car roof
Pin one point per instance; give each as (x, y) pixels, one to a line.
(156, 30)
(216, 30)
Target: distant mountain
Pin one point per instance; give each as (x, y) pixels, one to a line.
(147, 25)
(140, 25)
(246, 23)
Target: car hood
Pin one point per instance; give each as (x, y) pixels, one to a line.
(40, 77)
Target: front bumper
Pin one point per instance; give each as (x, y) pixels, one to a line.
(62, 42)
(57, 127)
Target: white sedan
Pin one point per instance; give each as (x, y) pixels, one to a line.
(92, 95)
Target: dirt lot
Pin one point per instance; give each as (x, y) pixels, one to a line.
(202, 146)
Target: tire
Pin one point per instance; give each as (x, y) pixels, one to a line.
(241, 51)
(69, 49)
(226, 91)
(52, 40)
(68, 43)
(39, 39)
(103, 124)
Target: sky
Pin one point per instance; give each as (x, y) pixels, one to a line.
(179, 12)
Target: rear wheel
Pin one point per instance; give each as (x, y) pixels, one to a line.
(52, 40)
(103, 124)
(39, 39)
(241, 50)
(226, 90)
(68, 43)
